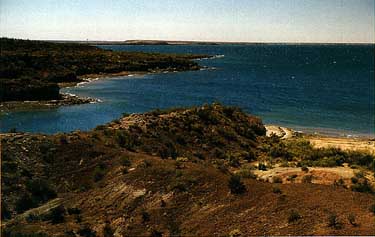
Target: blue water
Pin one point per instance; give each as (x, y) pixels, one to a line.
(324, 88)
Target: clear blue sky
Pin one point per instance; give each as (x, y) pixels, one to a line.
(209, 20)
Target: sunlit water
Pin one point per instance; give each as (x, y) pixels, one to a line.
(328, 89)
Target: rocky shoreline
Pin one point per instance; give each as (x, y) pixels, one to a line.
(66, 99)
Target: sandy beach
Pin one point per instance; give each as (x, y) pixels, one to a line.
(318, 141)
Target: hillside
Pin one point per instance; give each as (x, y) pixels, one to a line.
(198, 171)
(30, 70)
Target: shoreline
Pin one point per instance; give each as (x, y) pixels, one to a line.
(65, 100)
(359, 143)
(68, 99)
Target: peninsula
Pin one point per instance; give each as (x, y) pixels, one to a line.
(32, 70)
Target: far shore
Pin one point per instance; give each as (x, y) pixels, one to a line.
(66, 99)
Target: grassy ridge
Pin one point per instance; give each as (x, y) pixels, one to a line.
(30, 70)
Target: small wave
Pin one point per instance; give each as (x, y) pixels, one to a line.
(82, 83)
(96, 101)
(70, 94)
(218, 56)
(212, 57)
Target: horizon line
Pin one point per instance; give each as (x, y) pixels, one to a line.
(188, 41)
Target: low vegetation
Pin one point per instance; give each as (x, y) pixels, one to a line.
(178, 172)
(30, 70)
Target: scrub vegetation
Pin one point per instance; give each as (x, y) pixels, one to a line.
(31, 70)
(177, 172)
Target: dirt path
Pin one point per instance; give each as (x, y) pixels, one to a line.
(319, 175)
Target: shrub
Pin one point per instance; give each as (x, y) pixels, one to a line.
(262, 166)
(277, 179)
(276, 190)
(41, 190)
(5, 213)
(234, 161)
(180, 187)
(246, 173)
(145, 217)
(292, 178)
(98, 173)
(124, 140)
(24, 203)
(145, 164)
(74, 211)
(363, 187)
(305, 169)
(124, 170)
(57, 214)
(354, 180)
(86, 231)
(156, 233)
(334, 222)
(307, 179)
(63, 140)
(352, 219)
(339, 183)
(294, 216)
(108, 231)
(235, 233)
(125, 161)
(236, 186)
(359, 175)
(372, 208)
(249, 156)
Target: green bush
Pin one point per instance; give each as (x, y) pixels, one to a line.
(363, 187)
(372, 208)
(74, 211)
(5, 212)
(262, 166)
(352, 219)
(277, 179)
(334, 222)
(125, 140)
(125, 161)
(354, 180)
(99, 173)
(292, 178)
(145, 216)
(236, 186)
(307, 179)
(277, 190)
(233, 160)
(24, 203)
(294, 216)
(339, 183)
(40, 190)
(55, 215)
(156, 233)
(108, 231)
(246, 173)
(86, 231)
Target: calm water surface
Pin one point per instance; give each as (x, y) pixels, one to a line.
(324, 88)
